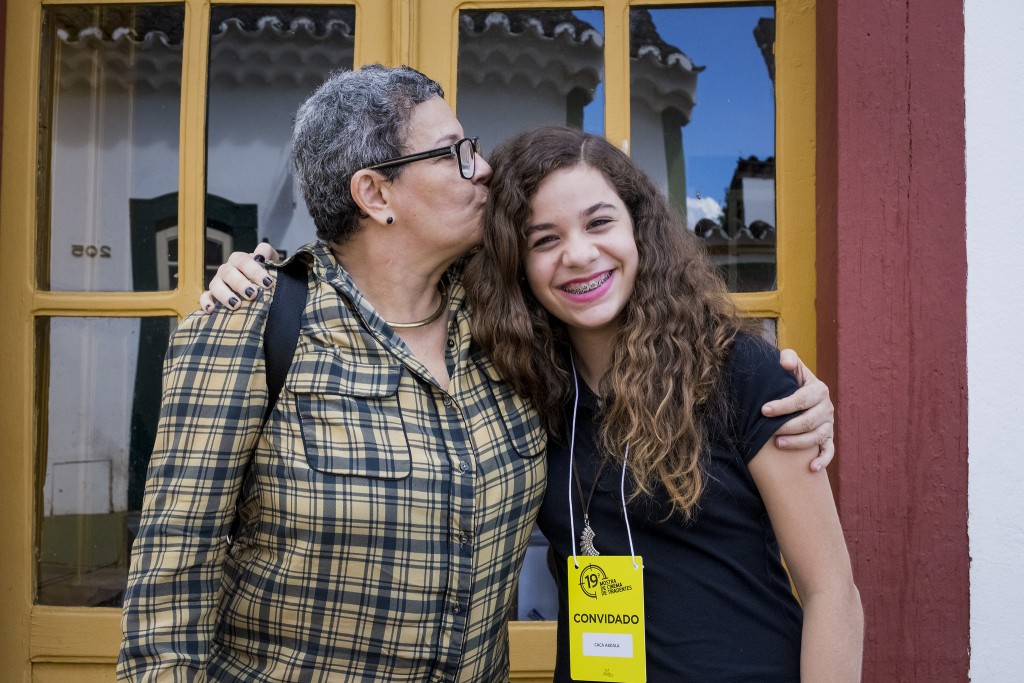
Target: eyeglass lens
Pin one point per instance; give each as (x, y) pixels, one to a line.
(466, 151)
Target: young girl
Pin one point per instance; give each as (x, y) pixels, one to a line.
(596, 305)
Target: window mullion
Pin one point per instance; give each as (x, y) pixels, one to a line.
(192, 173)
(616, 67)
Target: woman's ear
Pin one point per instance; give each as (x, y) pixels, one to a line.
(372, 194)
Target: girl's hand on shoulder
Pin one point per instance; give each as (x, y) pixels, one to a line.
(240, 278)
(815, 425)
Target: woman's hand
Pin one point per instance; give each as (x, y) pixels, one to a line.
(813, 427)
(240, 278)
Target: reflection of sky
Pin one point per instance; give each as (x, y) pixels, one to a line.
(735, 112)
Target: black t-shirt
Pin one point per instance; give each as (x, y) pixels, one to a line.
(717, 599)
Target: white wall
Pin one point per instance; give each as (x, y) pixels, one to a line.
(994, 49)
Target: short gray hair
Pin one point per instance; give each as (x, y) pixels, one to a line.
(355, 119)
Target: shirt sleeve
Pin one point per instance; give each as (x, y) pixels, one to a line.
(214, 394)
(755, 377)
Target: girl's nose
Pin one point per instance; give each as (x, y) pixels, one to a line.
(578, 251)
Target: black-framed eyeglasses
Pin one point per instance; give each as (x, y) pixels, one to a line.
(465, 150)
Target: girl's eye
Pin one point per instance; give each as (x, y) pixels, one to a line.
(599, 222)
(542, 241)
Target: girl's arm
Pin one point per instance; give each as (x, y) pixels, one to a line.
(804, 516)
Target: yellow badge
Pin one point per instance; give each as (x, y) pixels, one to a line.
(606, 619)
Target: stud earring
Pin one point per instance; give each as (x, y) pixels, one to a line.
(391, 219)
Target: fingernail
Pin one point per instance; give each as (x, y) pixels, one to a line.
(267, 282)
(249, 291)
(817, 468)
(783, 443)
(260, 258)
(232, 302)
(208, 307)
(766, 410)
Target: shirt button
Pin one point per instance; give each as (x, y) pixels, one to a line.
(447, 401)
(464, 466)
(456, 609)
(451, 343)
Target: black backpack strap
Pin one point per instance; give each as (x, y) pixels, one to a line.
(282, 331)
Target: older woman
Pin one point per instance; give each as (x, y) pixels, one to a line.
(385, 507)
(384, 519)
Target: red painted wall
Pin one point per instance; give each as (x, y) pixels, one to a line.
(892, 271)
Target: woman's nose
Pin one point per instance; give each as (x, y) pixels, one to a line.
(483, 169)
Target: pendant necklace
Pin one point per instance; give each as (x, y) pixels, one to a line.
(588, 535)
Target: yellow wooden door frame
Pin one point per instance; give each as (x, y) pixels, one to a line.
(80, 644)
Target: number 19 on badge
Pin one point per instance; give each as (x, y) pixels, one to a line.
(606, 619)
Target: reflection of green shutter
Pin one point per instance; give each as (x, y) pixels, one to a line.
(147, 217)
(672, 122)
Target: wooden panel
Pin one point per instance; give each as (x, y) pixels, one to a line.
(75, 634)
(892, 274)
(532, 651)
(72, 673)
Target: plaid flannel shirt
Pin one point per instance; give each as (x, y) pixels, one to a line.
(382, 520)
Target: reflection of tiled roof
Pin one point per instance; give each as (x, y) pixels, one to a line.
(248, 44)
(167, 21)
(645, 41)
(548, 22)
(532, 48)
(757, 234)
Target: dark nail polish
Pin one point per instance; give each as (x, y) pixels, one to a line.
(260, 258)
(267, 282)
(208, 308)
(232, 302)
(249, 291)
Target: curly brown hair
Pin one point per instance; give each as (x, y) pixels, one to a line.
(663, 385)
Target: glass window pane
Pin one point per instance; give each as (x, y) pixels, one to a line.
(265, 60)
(110, 104)
(524, 68)
(702, 115)
(101, 379)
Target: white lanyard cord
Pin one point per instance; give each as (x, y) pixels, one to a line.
(622, 482)
(572, 449)
(625, 516)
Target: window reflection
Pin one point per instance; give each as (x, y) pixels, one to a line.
(109, 132)
(523, 68)
(518, 69)
(101, 378)
(703, 125)
(265, 60)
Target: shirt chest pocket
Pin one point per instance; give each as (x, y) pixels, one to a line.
(521, 422)
(351, 418)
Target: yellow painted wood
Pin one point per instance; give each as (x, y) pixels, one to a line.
(72, 673)
(795, 175)
(75, 634)
(17, 243)
(532, 651)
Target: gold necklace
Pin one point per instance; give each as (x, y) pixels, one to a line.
(445, 298)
